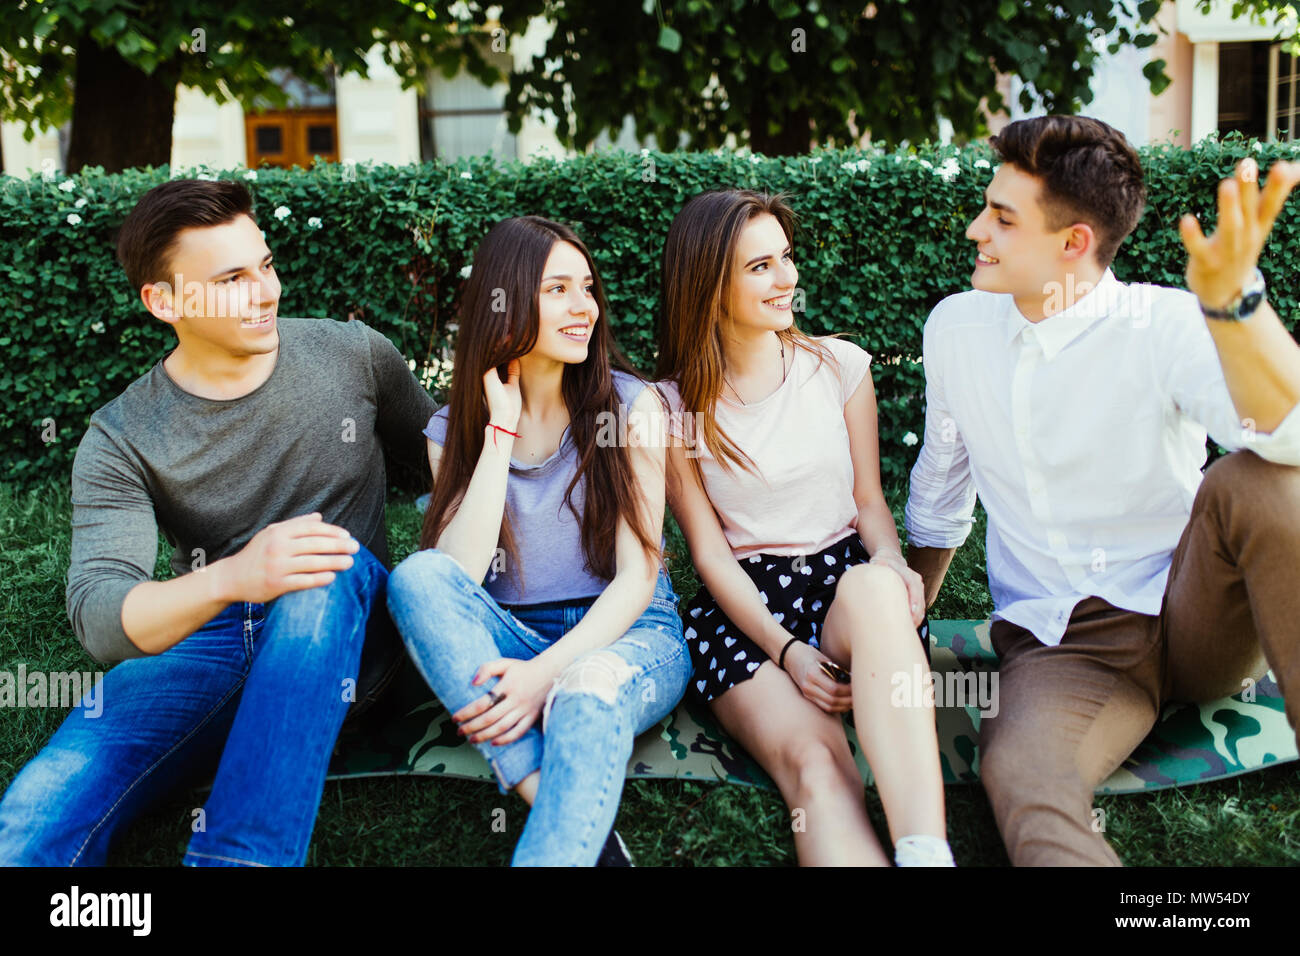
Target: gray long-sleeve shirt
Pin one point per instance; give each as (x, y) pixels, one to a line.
(211, 474)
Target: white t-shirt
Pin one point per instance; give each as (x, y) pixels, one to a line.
(800, 501)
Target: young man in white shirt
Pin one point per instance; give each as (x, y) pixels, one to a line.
(1076, 407)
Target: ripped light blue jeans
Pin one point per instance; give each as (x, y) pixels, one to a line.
(451, 626)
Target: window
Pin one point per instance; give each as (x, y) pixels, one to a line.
(1259, 91)
(296, 135)
(1243, 89)
(462, 117)
(1284, 94)
(270, 139)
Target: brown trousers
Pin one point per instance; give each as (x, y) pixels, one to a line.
(1070, 715)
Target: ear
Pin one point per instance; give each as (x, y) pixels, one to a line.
(1080, 241)
(160, 300)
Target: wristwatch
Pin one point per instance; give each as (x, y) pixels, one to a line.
(1244, 305)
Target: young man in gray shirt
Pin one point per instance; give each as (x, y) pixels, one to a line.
(256, 446)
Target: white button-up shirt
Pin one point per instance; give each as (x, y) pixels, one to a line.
(1084, 437)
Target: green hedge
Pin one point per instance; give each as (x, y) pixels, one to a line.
(881, 241)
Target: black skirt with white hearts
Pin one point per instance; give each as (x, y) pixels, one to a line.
(798, 590)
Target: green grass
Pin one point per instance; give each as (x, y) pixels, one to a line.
(1244, 821)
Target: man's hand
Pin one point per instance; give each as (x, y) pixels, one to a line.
(1220, 266)
(303, 552)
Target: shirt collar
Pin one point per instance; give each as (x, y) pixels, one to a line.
(1057, 331)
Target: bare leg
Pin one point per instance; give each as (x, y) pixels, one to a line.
(869, 630)
(805, 752)
(527, 788)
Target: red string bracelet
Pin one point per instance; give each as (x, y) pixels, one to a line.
(500, 429)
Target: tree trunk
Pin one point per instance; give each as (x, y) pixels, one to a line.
(121, 116)
(794, 138)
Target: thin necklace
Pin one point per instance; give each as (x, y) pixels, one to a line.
(783, 374)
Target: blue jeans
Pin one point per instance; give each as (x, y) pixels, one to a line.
(261, 688)
(451, 626)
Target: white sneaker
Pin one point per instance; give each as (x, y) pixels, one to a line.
(921, 849)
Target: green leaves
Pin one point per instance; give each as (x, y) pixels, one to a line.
(880, 242)
(805, 69)
(243, 41)
(1156, 76)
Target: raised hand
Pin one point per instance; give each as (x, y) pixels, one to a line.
(1221, 265)
(504, 400)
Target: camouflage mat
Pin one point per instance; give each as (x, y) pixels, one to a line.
(1191, 743)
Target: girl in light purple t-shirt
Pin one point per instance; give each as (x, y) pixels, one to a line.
(807, 608)
(539, 610)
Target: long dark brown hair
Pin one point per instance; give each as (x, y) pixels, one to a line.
(697, 275)
(499, 321)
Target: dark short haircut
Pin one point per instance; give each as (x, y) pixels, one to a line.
(147, 239)
(1088, 170)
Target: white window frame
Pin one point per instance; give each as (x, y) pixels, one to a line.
(1290, 108)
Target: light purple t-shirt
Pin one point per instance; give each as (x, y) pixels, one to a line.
(546, 533)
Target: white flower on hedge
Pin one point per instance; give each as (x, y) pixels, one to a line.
(74, 219)
(467, 175)
(97, 327)
(282, 213)
(206, 177)
(910, 439)
(755, 159)
(314, 222)
(949, 169)
(927, 164)
(464, 273)
(251, 175)
(67, 185)
(860, 166)
(1257, 146)
(982, 164)
(80, 203)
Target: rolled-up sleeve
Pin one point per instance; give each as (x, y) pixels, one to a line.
(1188, 364)
(941, 494)
(114, 546)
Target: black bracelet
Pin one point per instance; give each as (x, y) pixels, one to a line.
(780, 661)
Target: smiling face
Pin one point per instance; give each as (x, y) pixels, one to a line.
(763, 277)
(566, 306)
(224, 293)
(1016, 251)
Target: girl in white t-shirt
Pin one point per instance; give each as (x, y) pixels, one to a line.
(807, 608)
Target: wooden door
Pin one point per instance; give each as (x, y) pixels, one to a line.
(288, 138)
